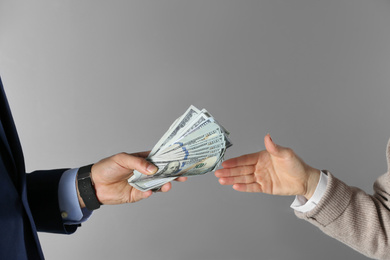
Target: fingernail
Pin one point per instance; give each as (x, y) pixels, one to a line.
(151, 168)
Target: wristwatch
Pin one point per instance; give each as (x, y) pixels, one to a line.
(86, 188)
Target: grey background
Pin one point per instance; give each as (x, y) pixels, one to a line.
(87, 79)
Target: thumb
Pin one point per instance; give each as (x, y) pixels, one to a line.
(272, 148)
(145, 167)
(137, 163)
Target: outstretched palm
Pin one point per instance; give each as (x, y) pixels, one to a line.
(276, 170)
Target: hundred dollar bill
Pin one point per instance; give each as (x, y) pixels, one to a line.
(181, 122)
(193, 145)
(200, 167)
(198, 122)
(193, 139)
(169, 165)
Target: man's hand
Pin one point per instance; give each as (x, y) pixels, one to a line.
(276, 170)
(110, 176)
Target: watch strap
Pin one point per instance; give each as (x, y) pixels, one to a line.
(86, 188)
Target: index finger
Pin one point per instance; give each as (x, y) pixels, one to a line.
(247, 159)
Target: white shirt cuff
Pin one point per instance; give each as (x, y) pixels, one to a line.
(71, 211)
(303, 205)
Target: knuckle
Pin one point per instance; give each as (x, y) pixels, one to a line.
(120, 156)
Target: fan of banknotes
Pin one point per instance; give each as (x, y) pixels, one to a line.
(194, 144)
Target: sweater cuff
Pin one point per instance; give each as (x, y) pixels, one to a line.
(333, 203)
(301, 204)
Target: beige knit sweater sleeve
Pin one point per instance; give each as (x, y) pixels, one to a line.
(360, 220)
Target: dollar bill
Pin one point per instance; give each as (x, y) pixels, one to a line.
(180, 123)
(193, 145)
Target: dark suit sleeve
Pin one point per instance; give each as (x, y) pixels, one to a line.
(42, 193)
